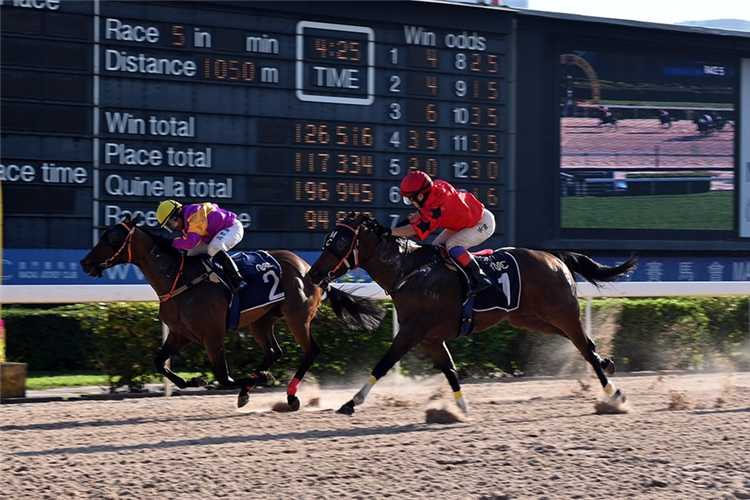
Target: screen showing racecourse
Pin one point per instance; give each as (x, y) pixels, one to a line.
(647, 139)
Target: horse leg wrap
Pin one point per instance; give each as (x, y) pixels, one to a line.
(253, 376)
(359, 398)
(293, 386)
(461, 401)
(610, 389)
(617, 396)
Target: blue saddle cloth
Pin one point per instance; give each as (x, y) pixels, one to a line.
(262, 274)
(502, 269)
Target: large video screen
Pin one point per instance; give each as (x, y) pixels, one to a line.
(647, 141)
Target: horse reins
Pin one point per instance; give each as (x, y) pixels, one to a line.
(406, 278)
(374, 250)
(355, 252)
(128, 240)
(170, 294)
(174, 291)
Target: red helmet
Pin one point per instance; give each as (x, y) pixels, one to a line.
(414, 183)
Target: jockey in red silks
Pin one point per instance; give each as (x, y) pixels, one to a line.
(465, 221)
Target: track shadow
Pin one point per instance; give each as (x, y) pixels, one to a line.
(721, 410)
(688, 138)
(112, 423)
(294, 436)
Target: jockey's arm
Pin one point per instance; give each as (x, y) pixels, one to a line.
(187, 242)
(403, 231)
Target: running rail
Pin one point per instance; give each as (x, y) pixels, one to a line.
(74, 294)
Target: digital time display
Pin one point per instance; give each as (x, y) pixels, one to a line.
(333, 49)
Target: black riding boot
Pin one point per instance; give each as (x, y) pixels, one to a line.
(230, 269)
(478, 281)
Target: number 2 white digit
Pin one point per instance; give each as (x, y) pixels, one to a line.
(274, 294)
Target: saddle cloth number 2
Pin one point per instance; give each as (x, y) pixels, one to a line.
(272, 277)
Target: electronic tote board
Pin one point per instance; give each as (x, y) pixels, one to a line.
(291, 114)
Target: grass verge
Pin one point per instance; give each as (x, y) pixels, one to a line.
(705, 211)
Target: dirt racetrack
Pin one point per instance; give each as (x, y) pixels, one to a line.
(684, 436)
(643, 143)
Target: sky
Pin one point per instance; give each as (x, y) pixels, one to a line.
(653, 11)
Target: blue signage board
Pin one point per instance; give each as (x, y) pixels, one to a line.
(61, 267)
(686, 268)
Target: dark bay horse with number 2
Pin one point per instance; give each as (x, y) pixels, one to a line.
(198, 312)
(428, 296)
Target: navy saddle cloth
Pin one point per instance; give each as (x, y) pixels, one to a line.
(502, 269)
(262, 274)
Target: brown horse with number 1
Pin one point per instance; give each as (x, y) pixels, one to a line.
(195, 308)
(428, 295)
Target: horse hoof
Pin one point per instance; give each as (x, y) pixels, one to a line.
(293, 402)
(242, 400)
(619, 397)
(608, 366)
(347, 409)
(270, 379)
(199, 382)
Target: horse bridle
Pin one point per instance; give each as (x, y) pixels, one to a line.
(355, 254)
(352, 254)
(125, 244)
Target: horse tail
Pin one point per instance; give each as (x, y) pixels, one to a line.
(592, 271)
(357, 313)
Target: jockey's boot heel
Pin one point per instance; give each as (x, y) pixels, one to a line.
(230, 269)
(478, 280)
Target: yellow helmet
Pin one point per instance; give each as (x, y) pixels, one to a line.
(166, 209)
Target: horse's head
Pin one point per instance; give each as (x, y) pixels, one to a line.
(341, 248)
(114, 247)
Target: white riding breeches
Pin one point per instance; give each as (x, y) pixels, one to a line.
(226, 239)
(469, 237)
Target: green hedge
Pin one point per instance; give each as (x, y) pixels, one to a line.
(676, 333)
(50, 339)
(641, 334)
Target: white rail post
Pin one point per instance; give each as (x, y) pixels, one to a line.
(168, 362)
(397, 366)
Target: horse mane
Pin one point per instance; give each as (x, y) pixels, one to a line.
(413, 254)
(162, 243)
(406, 245)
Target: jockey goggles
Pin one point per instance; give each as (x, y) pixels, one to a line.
(173, 222)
